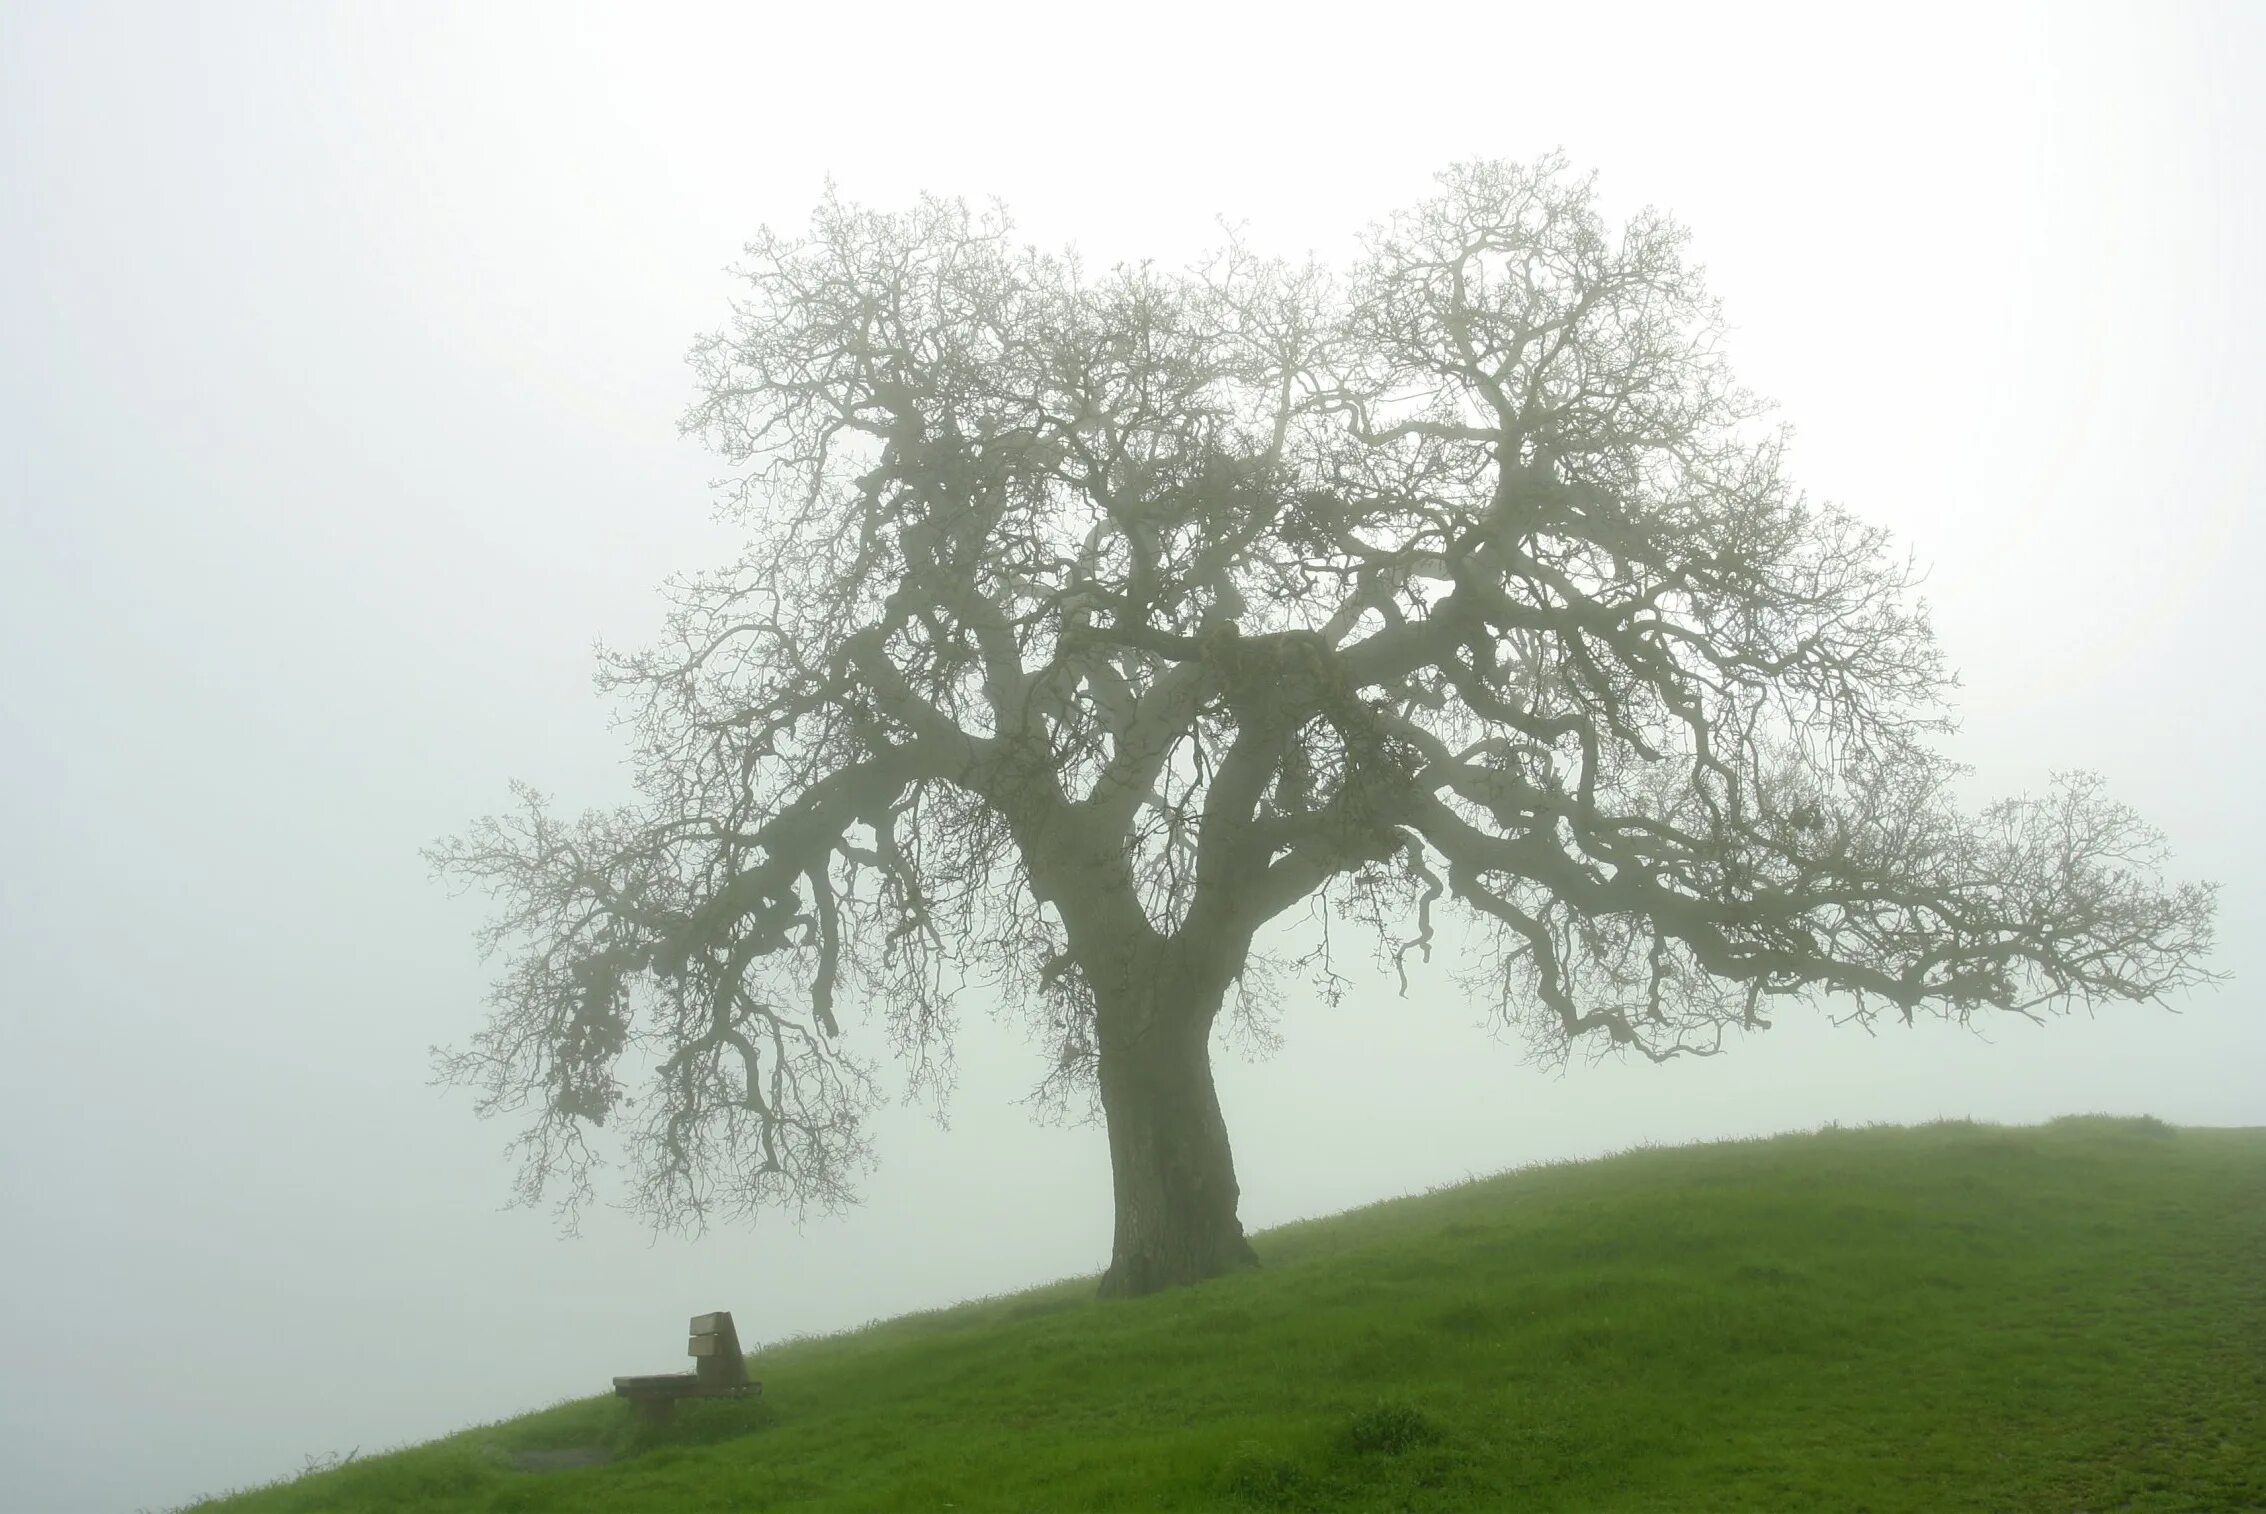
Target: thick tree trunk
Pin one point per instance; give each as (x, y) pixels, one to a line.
(1168, 1150)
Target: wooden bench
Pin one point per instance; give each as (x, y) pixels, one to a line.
(719, 1371)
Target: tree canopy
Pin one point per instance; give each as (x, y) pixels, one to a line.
(1089, 622)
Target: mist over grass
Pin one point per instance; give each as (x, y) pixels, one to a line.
(1950, 1316)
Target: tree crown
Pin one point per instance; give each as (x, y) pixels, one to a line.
(1090, 619)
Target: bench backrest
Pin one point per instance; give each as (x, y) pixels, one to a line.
(715, 1351)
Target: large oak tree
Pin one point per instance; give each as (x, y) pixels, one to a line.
(1090, 622)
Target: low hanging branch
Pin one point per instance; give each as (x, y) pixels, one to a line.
(1090, 623)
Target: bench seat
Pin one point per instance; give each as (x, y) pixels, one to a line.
(720, 1370)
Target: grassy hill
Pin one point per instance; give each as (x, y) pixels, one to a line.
(2067, 1317)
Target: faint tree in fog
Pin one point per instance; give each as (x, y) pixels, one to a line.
(1088, 623)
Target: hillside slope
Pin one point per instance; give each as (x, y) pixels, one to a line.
(1956, 1316)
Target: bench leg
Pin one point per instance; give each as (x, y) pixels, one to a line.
(655, 1411)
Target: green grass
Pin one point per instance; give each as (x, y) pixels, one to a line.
(2066, 1317)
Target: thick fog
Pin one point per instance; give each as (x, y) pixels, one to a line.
(342, 351)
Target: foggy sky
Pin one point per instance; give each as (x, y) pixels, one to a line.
(342, 352)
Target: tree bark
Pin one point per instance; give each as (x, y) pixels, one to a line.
(1168, 1150)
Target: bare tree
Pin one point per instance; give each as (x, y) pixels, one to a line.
(1089, 623)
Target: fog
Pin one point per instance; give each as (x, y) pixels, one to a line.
(342, 351)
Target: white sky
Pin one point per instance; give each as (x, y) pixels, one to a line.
(341, 351)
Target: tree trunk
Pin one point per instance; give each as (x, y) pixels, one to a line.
(1168, 1150)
